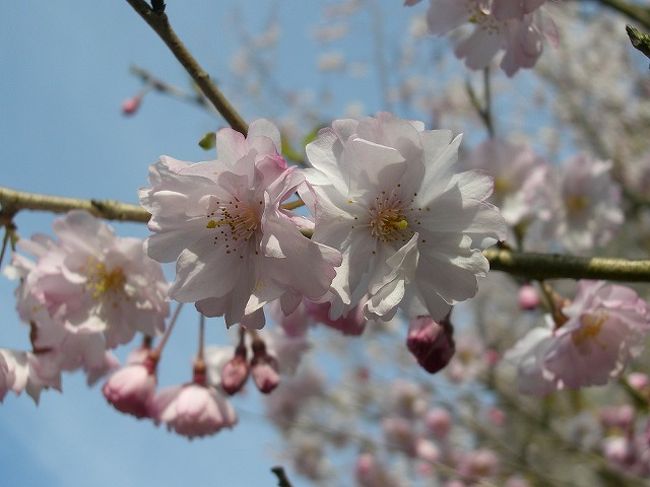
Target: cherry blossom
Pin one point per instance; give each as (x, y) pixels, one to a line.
(193, 410)
(605, 327)
(587, 205)
(517, 27)
(517, 180)
(87, 292)
(131, 389)
(224, 218)
(409, 228)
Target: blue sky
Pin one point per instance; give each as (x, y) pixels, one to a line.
(65, 73)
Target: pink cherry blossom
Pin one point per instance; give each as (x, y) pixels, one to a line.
(587, 210)
(516, 189)
(7, 378)
(87, 292)
(409, 228)
(223, 218)
(438, 421)
(517, 28)
(131, 389)
(371, 473)
(30, 372)
(606, 327)
(193, 410)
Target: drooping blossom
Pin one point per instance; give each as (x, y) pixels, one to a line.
(29, 372)
(353, 323)
(431, 343)
(438, 422)
(369, 472)
(409, 228)
(235, 247)
(194, 409)
(517, 187)
(587, 206)
(519, 28)
(605, 328)
(87, 292)
(132, 388)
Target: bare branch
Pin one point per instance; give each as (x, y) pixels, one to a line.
(157, 20)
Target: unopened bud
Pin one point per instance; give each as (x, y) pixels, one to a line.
(431, 343)
(131, 105)
(264, 368)
(235, 372)
(528, 297)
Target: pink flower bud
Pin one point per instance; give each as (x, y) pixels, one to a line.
(264, 368)
(131, 389)
(528, 297)
(351, 324)
(131, 105)
(496, 416)
(438, 421)
(619, 450)
(621, 417)
(431, 343)
(234, 373)
(638, 381)
(399, 434)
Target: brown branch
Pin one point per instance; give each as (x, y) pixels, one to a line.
(158, 21)
(633, 11)
(556, 266)
(13, 201)
(531, 265)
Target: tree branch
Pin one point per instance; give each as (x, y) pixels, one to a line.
(556, 266)
(283, 480)
(531, 265)
(157, 20)
(635, 12)
(639, 40)
(13, 201)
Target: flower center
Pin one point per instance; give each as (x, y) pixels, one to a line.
(101, 281)
(590, 329)
(235, 222)
(576, 203)
(388, 222)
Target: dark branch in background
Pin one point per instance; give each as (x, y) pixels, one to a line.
(639, 40)
(557, 266)
(533, 266)
(283, 480)
(483, 110)
(157, 20)
(160, 86)
(631, 10)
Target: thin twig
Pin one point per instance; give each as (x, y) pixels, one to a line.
(283, 480)
(159, 22)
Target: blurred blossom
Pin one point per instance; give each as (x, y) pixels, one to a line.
(330, 62)
(606, 327)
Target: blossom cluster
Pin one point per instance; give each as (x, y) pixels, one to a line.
(394, 224)
(516, 27)
(86, 293)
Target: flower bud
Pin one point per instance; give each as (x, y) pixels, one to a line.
(131, 389)
(438, 421)
(528, 297)
(638, 381)
(264, 368)
(131, 105)
(431, 343)
(235, 372)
